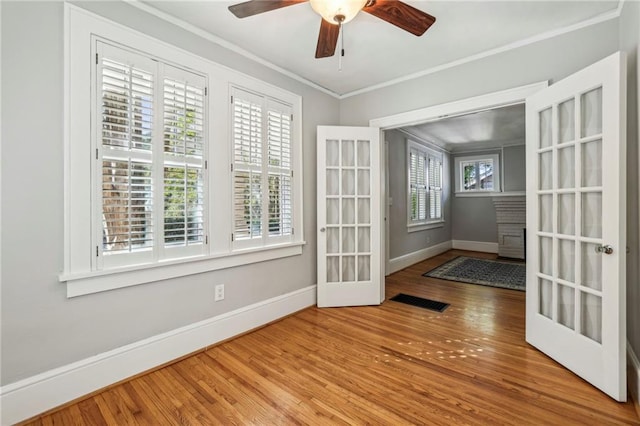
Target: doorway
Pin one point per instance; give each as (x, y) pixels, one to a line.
(431, 114)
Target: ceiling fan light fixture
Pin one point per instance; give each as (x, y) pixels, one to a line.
(337, 11)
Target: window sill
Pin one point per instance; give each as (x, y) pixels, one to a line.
(478, 194)
(491, 194)
(80, 284)
(424, 226)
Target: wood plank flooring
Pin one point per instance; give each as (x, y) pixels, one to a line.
(394, 364)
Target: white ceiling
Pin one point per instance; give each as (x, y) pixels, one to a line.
(479, 130)
(377, 52)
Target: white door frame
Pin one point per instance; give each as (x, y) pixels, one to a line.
(432, 113)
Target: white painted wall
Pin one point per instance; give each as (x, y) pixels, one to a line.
(41, 328)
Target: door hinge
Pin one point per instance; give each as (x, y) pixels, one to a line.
(293, 231)
(97, 253)
(97, 153)
(231, 166)
(206, 91)
(291, 173)
(96, 59)
(231, 98)
(232, 236)
(206, 164)
(206, 239)
(291, 117)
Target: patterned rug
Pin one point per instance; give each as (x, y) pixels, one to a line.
(492, 273)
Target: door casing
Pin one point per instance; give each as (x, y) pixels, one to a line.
(487, 101)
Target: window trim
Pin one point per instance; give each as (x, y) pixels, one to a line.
(79, 272)
(421, 225)
(461, 192)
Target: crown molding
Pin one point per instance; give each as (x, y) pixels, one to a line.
(613, 14)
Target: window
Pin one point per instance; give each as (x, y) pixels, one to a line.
(477, 174)
(152, 189)
(262, 173)
(424, 185)
(150, 154)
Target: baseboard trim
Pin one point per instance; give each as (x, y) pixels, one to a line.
(34, 395)
(633, 377)
(475, 246)
(401, 262)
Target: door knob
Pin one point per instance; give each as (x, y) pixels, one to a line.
(322, 229)
(606, 249)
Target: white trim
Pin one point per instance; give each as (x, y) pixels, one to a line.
(633, 377)
(462, 106)
(227, 45)
(491, 194)
(34, 395)
(93, 282)
(483, 246)
(429, 144)
(614, 14)
(409, 259)
(84, 275)
(417, 227)
(459, 107)
(497, 183)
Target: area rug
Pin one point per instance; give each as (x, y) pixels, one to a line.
(492, 273)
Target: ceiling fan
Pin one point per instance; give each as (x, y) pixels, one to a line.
(335, 13)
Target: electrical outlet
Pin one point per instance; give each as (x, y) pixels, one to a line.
(219, 295)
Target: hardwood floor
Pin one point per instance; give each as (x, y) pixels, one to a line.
(393, 364)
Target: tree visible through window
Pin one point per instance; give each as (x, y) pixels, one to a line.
(478, 173)
(262, 168)
(152, 154)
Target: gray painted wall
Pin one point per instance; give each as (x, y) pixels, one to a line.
(41, 328)
(401, 241)
(514, 165)
(474, 218)
(630, 42)
(549, 59)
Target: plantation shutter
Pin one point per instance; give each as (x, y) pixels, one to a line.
(125, 93)
(183, 157)
(435, 187)
(418, 185)
(262, 169)
(152, 159)
(247, 112)
(280, 214)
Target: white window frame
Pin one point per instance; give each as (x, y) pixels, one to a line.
(80, 271)
(266, 105)
(427, 153)
(459, 180)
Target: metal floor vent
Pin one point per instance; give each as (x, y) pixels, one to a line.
(432, 305)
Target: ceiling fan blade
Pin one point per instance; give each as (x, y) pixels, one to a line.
(327, 40)
(254, 7)
(401, 15)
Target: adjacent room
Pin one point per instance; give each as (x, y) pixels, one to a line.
(319, 212)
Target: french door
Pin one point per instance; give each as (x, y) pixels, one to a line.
(576, 222)
(348, 217)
